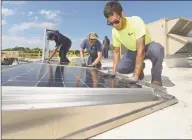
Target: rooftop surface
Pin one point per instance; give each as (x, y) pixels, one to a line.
(172, 122)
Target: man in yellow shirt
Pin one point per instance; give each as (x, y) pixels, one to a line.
(132, 33)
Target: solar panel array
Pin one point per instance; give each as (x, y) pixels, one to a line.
(50, 75)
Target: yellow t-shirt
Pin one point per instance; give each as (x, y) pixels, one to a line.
(127, 37)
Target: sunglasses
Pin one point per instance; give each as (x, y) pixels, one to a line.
(92, 39)
(114, 22)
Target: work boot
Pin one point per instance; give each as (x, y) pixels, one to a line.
(141, 76)
(159, 83)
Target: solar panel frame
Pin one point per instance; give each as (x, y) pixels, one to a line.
(44, 73)
(36, 103)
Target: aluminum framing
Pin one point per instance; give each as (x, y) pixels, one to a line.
(107, 125)
(68, 97)
(43, 103)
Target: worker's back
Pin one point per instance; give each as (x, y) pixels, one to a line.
(61, 39)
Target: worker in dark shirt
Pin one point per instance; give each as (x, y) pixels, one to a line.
(94, 48)
(63, 44)
(106, 43)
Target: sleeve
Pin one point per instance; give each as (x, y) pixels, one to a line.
(83, 45)
(140, 27)
(115, 40)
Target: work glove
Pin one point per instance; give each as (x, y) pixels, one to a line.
(124, 82)
(83, 64)
(133, 80)
(91, 66)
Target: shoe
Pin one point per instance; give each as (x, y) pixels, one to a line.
(141, 76)
(159, 83)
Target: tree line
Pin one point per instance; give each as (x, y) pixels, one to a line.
(33, 50)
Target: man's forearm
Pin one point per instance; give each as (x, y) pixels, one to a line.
(96, 60)
(54, 52)
(139, 58)
(115, 60)
(82, 54)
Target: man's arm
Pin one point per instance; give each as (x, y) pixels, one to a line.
(140, 44)
(116, 52)
(54, 52)
(82, 53)
(99, 56)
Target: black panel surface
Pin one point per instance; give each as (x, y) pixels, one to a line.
(49, 75)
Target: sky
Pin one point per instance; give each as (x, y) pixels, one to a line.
(23, 22)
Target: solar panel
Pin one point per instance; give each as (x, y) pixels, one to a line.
(52, 75)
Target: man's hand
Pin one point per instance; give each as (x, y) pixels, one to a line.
(83, 64)
(133, 80)
(111, 73)
(92, 65)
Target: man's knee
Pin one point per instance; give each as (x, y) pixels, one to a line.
(124, 69)
(157, 51)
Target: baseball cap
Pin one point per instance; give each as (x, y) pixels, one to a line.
(93, 36)
(49, 34)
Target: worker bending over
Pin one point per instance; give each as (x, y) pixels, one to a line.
(94, 48)
(63, 44)
(133, 34)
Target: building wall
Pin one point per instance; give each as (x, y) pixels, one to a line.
(161, 31)
(157, 31)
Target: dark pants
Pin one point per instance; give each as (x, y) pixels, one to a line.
(105, 51)
(153, 51)
(63, 53)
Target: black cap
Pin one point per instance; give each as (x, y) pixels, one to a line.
(49, 35)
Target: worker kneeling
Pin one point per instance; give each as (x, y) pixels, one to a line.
(94, 48)
(63, 44)
(132, 33)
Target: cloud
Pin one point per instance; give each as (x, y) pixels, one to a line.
(7, 12)
(14, 2)
(4, 22)
(50, 14)
(27, 25)
(30, 13)
(36, 18)
(12, 41)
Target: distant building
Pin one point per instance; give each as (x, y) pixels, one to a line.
(172, 34)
